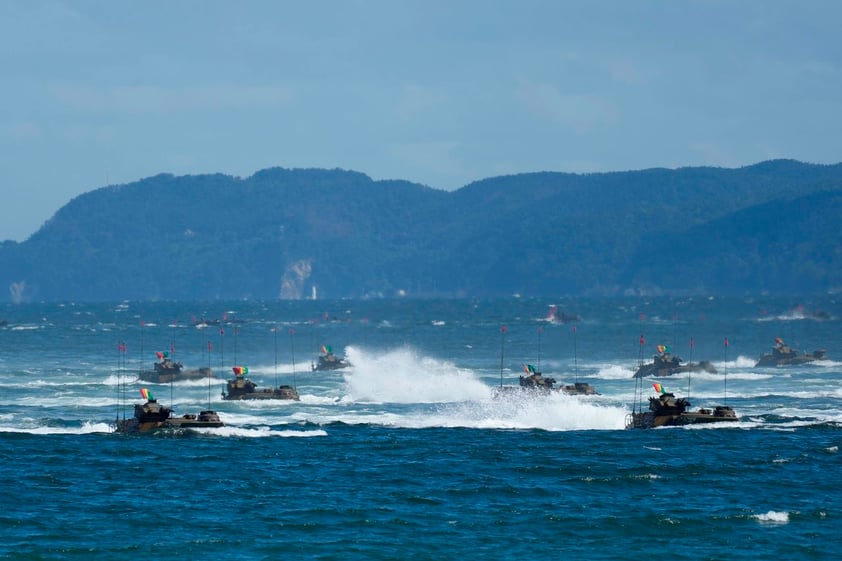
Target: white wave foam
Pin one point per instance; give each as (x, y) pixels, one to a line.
(732, 375)
(63, 401)
(259, 417)
(310, 399)
(554, 412)
(802, 417)
(615, 372)
(739, 362)
(266, 372)
(773, 517)
(86, 428)
(116, 380)
(719, 376)
(195, 383)
(713, 426)
(263, 432)
(826, 363)
(228, 431)
(38, 383)
(402, 376)
(132, 379)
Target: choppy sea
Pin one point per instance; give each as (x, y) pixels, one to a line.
(408, 454)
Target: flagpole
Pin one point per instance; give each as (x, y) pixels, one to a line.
(690, 370)
(119, 379)
(638, 386)
(575, 359)
(725, 369)
(275, 333)
(222, 350)
(172, 380)
(674, 325)
(236, 332)
(142, 325)
(502, 346)
(209, 373)
(292, 353)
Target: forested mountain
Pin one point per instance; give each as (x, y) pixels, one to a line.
(770, 227)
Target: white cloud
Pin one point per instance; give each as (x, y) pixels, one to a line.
(161, 99)
(580, 112)
(628, 72)
(23, 131)
(435, 158)
(415, 100)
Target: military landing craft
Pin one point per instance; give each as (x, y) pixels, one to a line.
(329, 361)
(667, 410)
(241, 388)
(535, 381)
(167, 370)
(152, 416)
(666, 364)
(782, 355)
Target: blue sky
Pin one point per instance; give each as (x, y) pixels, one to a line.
(436, 92)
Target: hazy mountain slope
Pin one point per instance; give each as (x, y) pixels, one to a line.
(781, 246)
(281, 232)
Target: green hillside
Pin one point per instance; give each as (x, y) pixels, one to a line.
(771, 227)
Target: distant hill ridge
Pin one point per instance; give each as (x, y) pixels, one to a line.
(769, 227)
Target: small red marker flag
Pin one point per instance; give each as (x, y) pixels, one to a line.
(502, 329)
(726, 341)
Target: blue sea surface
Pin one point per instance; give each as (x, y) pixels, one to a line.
(409, 454)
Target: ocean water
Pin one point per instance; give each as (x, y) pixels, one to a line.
(408, 455)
